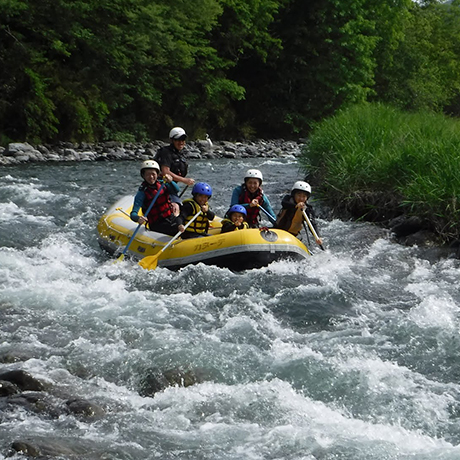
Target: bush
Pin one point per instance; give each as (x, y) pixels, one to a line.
(412, 159)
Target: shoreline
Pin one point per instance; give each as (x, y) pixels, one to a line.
(23, 152)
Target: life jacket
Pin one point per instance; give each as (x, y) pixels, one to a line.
(246, 196)
(178, 164)
(290, 220)
(162, 208)
(201, 223)
(227, 222)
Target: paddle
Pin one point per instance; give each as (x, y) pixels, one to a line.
(151, 262)
(183, 191)
(122, 256)
(270, 218)
(123, 211)
(312, 228)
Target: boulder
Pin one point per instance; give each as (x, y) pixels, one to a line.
(23, 380)
(16, 147)
(86, 408)
(8, 388)
(405, 225)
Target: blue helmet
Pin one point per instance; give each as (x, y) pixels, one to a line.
(237, 208)
(202, 188)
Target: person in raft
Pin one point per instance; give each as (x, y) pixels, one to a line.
(201, 193)
(290, 217)
(171, 157)
(164, 216)
(234, 219)
(251, 196)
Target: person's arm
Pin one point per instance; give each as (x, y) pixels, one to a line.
(210, 215)
(138, 203)
(236, 195)
(164, 159)
(180, 220)
(173, 188)
(186, 180)
(227, 226)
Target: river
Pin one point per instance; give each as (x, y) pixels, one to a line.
(350, 354)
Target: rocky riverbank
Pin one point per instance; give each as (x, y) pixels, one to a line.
(20, 153)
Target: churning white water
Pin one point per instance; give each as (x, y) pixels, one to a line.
(351, 354)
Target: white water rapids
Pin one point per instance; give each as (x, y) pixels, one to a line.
(352, 354)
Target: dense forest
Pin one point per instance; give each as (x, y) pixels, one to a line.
(92, 70)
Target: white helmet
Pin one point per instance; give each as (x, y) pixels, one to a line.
(302, 186)
(150, 164)
(253, 174)
(177, 133)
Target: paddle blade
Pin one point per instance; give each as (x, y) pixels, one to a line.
(119, 259)
(150, 262)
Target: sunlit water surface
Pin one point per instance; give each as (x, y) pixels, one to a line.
(351, 354)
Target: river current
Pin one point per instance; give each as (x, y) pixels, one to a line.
(350, 354)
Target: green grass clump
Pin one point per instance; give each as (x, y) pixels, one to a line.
(413, 157)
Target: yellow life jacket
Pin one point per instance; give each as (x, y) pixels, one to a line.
(295, 226)
(201, 223)
(228, 222)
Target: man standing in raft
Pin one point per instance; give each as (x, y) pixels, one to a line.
(251, 196)
(171, 158)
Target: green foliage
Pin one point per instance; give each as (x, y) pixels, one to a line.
(420, 70)
(327, 60)
(96, 62)
(39, 108)
(87, 69)
(412, 156)
(243, 27)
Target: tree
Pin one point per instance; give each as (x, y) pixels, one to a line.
(326, 61)
(421, 71)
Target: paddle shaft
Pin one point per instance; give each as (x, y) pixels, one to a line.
(146, 214)
(123, 211)
(179, 233)
(150, 262)
(183, 191)
(305, 216)
(270, 218)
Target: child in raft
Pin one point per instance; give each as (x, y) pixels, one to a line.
(234, 219)
(290, 217)
(201, 193)
(251, 196)
(164, 216)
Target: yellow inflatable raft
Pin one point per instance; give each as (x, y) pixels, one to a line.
(238, 250)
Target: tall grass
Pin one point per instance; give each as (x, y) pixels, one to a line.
(375, 148)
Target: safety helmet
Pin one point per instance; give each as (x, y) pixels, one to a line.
(237, 208)
(302, 186)
(177, 133)
(149, 164)
(202, 188)
(253, 173)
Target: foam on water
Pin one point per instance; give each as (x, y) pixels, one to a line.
(349, 354)
(269, 419)
(31, 193)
